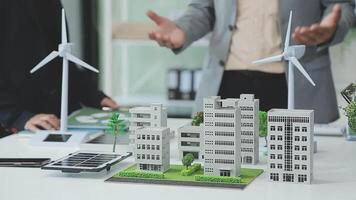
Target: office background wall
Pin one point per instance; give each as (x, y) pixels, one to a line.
(83, 30)
(139, 66)
(74, 17)
(344, 64)
(145, 73)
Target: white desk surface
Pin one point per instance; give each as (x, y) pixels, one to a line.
(334, 178)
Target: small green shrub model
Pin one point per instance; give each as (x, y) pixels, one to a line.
(217, 179)
(191, 170)
(350, 112)
(116, 126)
(186, 172)
(263, 124)
(188, 160)
(173, 176)
(141, 174)
(196, 167)
(198, 119)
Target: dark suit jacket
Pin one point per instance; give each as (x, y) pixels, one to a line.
(30, 30)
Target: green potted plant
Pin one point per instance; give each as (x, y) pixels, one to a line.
(116, 126)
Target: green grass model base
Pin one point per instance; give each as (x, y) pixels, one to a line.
(173, 177)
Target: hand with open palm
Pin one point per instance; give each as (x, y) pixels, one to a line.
(167, 33)
(319, 33)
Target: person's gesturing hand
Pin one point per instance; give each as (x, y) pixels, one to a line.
(110, 103)
(167, 33)
(43, 122)
(319, 33)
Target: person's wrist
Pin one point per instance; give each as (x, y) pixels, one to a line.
(108, 102)
(328, 39)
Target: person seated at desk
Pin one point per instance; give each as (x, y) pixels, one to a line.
(30, 29)
(244, 31)
(4, 131)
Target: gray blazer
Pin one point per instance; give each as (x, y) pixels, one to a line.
(219, 17)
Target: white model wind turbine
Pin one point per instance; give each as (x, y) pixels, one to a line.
(290, 54)
(64, 51)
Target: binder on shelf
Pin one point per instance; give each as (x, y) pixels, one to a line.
(183, 84)
(173, 84)
(196, 82)
(186, 86)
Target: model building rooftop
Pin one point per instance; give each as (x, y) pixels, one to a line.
(290, 112)
(150, 108)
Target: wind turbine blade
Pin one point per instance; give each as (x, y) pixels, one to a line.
(299, 66)
(287, 41)
(269, 60)
(81, 63)
(46, 60)
(64, 28)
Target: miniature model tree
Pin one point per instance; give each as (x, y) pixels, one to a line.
(263, 125)
(350, 112)
(188, 160)
(198, 119)
(116, 126)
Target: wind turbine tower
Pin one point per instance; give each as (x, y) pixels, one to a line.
(64, 51)
(290, 54)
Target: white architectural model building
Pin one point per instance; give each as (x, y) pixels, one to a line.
(150, 137)
(190, 140)
(290, 147)
(152, 149)
(151, 116)
(222, 137)
(249, 107)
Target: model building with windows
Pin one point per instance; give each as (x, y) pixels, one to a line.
(151, 116)
(190, 140)
(222, 137)
(152, 149)
(249, 107)
(154, 115)
(290, 148)
(216, 133)
(150, 137)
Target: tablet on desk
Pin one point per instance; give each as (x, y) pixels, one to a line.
(24, 162)
(57, 138)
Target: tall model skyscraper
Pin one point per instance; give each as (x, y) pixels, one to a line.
(222, 137)
(290, 146)
(249, 107)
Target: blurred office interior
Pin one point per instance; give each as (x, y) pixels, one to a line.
(112, 34)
